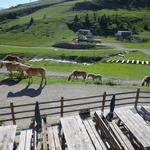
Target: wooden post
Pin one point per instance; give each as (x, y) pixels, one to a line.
(137, 98)
(12, 112)
(103, 102)
(62, 107)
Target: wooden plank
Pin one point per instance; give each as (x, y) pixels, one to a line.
(136, 125)
(22, 140)
(25, 140)
(56, 137)
(28, 139)
(75, 134)
(146, 114)
(145, 110)
(122, 138)
(97, 141)
(44, 137)
(51, 141)
(106, 132)
(7, 137)
(96, 134)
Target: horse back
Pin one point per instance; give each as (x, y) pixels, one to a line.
(36, 71)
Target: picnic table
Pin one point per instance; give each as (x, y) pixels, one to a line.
(7, 137)
(136, 125)
(75, 134)
(80, 134)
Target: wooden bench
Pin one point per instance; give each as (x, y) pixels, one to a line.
(50, 137)
(123, 140)
(136, 125)
(146, 113)
(25, 140)
(96, 139)
(53, 138)
(105, 132)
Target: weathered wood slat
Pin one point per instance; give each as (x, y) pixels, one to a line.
(137, 126)
(96, 139)
(121, 137)
(56, 137)
(75, 134)
(106, 132)
(25, 140)
(44, 137)
(7, 136)
(51, 141)
(22, 140)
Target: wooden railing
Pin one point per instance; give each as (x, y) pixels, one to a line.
(64, 106)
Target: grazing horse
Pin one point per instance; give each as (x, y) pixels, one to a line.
(75, 74)
(36, 71)
(146, 80)
(13, 58)
(95, 77)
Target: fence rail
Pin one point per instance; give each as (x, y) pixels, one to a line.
(64, 106)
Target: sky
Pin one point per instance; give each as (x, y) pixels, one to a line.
(9, 3)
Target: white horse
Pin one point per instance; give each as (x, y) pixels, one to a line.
(75, 74)
(146, 80)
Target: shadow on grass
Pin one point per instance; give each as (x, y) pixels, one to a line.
(10, 81)
(31, 92)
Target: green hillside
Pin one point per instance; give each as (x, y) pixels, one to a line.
(45, 22)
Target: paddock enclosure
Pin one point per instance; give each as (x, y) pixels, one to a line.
(59, 108)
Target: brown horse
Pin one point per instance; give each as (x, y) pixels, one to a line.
(95, 77)
(36, 71)
(75, 74)
(15, 66)
(13, 58)
(146, 80)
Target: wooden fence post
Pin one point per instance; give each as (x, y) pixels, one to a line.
(103, 102)
(12, 112)
(62, 107)
(137, 98)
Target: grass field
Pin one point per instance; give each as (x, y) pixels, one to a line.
(52, 52)
(122, 71)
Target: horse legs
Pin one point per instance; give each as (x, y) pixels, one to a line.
(11, 74)
(30, 80)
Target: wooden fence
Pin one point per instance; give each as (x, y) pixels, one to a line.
(64, 106)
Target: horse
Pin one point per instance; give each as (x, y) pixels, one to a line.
(15, 66)
(13, 58)
(36, 71)
(95, 76)
(146, 80)
(75, 74)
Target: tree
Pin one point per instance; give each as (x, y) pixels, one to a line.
(31, 21)
(87, 20)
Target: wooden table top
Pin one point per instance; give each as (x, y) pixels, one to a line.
(7, 137)
(75, 134)
(136, 125)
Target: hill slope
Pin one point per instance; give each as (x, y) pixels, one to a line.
(45, 22)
